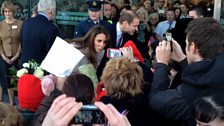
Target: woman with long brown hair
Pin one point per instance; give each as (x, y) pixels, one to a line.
(92, 45)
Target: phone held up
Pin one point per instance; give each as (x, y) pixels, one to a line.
(89, 114)
(168, 38)
(112, 52)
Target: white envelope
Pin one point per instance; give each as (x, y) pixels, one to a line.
(61, 59)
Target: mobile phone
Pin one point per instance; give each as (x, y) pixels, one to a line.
(169, 39)
(89, 114)
(112, 52)
(168, 36)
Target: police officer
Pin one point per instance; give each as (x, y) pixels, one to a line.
(94, 19)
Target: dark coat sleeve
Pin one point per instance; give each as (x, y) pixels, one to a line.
(52, 34)
(42, 110)
(148, 74)
(78, 31)
(168, 102)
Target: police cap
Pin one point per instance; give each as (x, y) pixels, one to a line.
(94, 5)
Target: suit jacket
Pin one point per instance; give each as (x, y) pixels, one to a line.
(126, 37)
(37, 37)
(10, 38)
(83, 27)
(113, 32)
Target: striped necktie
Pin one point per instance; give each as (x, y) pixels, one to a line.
(119, 42)
(170, 25)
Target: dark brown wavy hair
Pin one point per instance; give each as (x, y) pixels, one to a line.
(88, 42)
(79, 86)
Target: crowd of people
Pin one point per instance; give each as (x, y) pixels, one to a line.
(156, 81)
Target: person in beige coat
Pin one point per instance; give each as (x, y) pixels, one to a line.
(10, 49)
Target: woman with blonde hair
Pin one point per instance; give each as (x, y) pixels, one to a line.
(123, 78)
(126, 89)
(10, 49)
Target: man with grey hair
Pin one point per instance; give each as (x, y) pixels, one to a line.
(39, 33)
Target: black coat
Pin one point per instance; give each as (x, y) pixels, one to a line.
(42, 110)
(37, 37)
(198, 79)
(138, 110)
(126, 37)
(83, 27)
(178, 33)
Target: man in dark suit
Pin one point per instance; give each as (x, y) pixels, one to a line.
(94, 19)
(125, 29)
(122, 31)
(39, 33)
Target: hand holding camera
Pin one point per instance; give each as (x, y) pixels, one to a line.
(113, 116)
(125, 51)
(168, 37)
(89, 114)
(61, 111)
(177, 53)
(128, 52)
(169, 48)
(65, 110)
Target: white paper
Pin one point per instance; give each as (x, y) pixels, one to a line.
(61, 59)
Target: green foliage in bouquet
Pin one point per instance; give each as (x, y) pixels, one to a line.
(12, 75)
(31, 67)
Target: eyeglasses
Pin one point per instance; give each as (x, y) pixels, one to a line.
(9, 11)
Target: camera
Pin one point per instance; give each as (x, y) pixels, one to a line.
(89, 114)
(168, 37)
(111, 52)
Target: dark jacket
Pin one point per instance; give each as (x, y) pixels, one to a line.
(138, 111)
(83, 27)
(126, 37)
(37, 37)
(178, 33)
(198, 79)
(42, 110)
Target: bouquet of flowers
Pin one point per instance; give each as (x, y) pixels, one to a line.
(32, 67)
(12, 75)
(29, 85)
